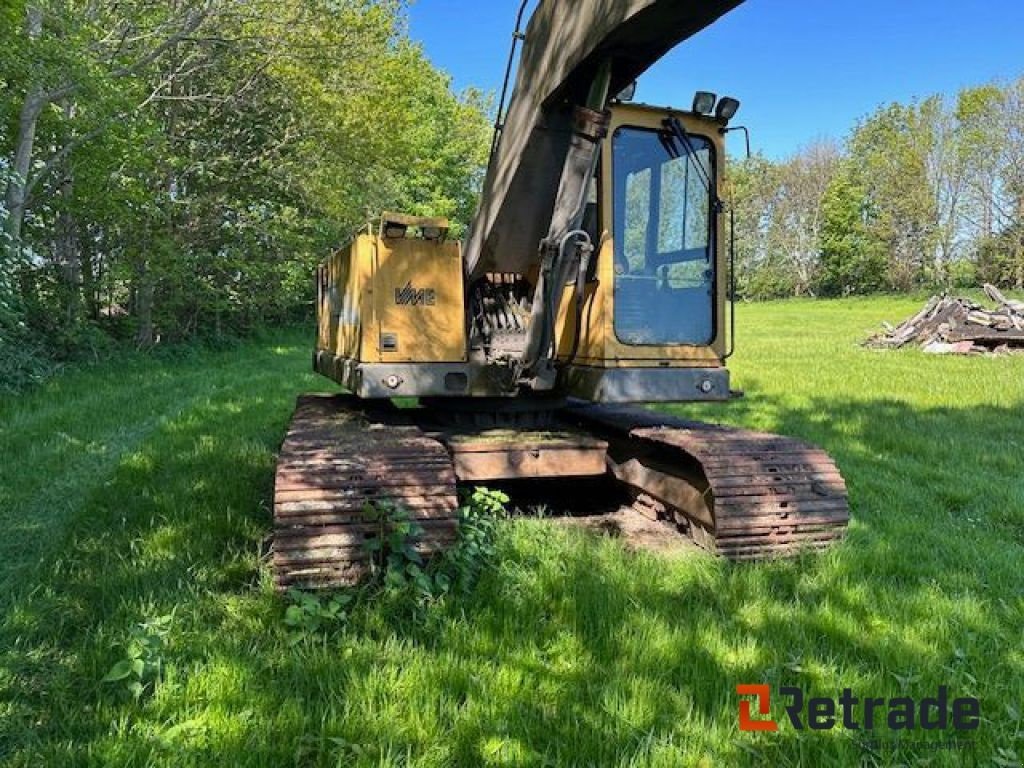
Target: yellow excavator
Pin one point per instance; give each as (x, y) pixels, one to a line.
(596, 274)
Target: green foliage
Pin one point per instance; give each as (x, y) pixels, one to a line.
(1000, 258)
(310, 614)
(187, 190)
(962, 274)
(11, 313)
(24, 362)
(750, 190)
(392, 548)
(486, 505)
(888, 153)
(852, 260)
(479, 518)
(398, 566)
(919, 194)
(399, 576)
(142, 662)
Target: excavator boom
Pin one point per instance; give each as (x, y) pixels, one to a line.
(566, 45)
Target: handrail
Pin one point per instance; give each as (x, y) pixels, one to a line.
(499, 119)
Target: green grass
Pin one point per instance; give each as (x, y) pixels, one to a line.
(133, 491)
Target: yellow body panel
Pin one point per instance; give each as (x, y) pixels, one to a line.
(419, 299)
(393, 300)
(343, 299)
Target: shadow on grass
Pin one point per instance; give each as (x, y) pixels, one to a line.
(569, 652)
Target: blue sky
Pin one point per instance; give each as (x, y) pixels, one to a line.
(803, 69)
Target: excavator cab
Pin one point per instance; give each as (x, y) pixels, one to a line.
(651, 321)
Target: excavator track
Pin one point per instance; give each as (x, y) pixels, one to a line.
(744, 495)
(338, 457)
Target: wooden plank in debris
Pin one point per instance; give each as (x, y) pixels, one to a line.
(986, 335)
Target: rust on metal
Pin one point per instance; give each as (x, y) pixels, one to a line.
(747, 495)
(678, 492)
(334, 462)
(525, 455)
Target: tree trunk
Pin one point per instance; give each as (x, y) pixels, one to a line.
(144, 296)
(1018, 243)
(69, 260)
(67, 242)
(24, 143)
(92, 277)
(16, 197)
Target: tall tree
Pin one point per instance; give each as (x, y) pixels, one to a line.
(1012, 179)
(798, 214)
(980, 143)
(889, 151)
(73, 46)
(853, 258)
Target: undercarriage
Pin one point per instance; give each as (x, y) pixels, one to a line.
(740, 494)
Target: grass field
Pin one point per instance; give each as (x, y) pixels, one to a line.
(140, 490)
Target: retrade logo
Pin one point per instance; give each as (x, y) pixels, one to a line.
(415, 297)
(853, 713)
(764, 707)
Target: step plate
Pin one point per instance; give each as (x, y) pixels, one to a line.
(522, 455)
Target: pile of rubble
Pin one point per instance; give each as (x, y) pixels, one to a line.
(949, 325)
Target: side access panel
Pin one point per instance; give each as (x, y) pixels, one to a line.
(391, 319)
(418, 302)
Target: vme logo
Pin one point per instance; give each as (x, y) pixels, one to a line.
(853, 714)
(415, 297)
